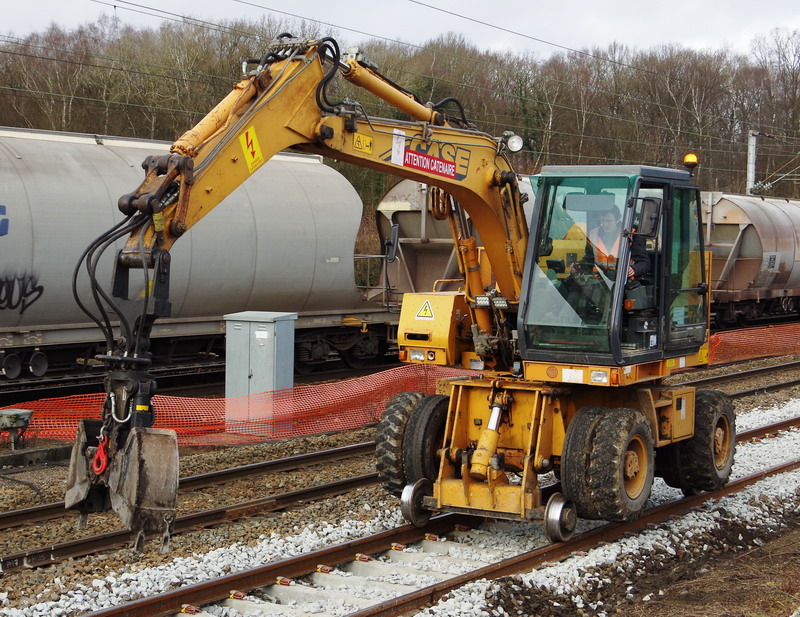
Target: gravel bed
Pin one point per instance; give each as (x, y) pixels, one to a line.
(597, 583)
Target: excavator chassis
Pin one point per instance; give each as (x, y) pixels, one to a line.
(500, 434)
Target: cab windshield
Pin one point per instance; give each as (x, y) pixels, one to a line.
(578, 260)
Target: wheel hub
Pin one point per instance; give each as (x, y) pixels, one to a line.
(634, 467)
(722, 442)
(631, 464)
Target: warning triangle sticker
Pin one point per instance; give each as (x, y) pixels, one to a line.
(425, 311)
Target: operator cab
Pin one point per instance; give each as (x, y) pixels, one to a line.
(579, 304)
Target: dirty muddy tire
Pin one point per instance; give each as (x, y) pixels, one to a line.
(575, 456)
(619, 471)
(424, 436)
(707, 458)
(389, 441)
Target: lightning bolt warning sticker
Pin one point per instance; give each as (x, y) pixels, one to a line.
(425, 311)
(251, 149)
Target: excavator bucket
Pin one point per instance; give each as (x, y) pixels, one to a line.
(143, 482)
(140, 484)
(83, 493)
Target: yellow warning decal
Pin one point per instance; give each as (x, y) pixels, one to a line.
(362, 143)
(251, 149)
(425, 311)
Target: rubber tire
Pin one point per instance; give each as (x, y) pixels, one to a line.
(575, 456)
(598, 470)
(389, 441)
(697, 467)
(423, 438)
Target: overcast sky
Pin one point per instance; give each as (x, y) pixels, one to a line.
(577, 24)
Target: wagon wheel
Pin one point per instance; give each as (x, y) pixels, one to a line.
(355, 359)
(389, 441)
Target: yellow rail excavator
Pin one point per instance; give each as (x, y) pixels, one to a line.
(570, 327)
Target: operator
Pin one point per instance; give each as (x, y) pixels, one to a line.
(603, 244)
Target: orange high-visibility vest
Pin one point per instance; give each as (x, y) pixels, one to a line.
(604, 257)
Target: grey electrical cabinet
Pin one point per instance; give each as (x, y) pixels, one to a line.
(259, 352)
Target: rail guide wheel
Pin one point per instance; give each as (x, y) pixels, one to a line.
(560, 518)
(411, 502)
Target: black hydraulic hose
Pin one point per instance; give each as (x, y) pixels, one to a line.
(458, 104)
(327, 45)
(97, 289)
(86, 255)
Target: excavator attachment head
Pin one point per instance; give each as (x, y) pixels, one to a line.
(140, 482)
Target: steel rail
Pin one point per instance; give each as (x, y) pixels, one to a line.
(743, 374)
(765, 388)
(78, 548)
(14, 518)
(217, 589)
(48, 555)
(170, 377)
(557, 552)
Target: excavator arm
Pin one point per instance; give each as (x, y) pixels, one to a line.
(280, 103)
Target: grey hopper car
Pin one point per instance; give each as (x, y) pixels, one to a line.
(755, 244)
(283, 241)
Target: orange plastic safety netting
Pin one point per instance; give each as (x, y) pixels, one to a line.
(737, 345)
(304, 410)
(350, 404)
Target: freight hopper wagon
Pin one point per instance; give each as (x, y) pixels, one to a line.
(755, 244)
(283, 242)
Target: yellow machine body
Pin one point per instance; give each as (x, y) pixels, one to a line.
(530, 438)
(433, 328)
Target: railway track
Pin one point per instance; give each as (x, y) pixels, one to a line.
(54, 553)
(50, 554)
(210, 376)
(348, 576)
(196, 379)
(748, 374)
(25, 516)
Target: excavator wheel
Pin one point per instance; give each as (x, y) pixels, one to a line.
(703, 462)
(615, 466)
(575, 457)
(424, 436)
(389, 441)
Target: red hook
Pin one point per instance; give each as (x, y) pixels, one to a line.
(100, 460)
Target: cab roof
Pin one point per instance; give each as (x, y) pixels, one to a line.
(645, 171)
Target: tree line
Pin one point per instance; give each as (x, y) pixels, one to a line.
(613, 105)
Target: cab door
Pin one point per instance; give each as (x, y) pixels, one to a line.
(686, 292)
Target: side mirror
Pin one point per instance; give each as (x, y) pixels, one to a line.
(390, 244)
(648, 215)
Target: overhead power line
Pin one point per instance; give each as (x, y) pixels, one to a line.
(183, 18)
